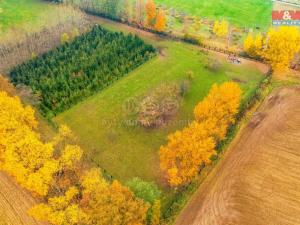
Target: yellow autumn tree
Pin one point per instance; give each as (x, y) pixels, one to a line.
(281, 45)
(69, 160)
(253, 46)
(64, 38)
(258, 43)
(70, 155)
(63, 136)
(186, 150)
(194, 146)
(224, 28)
(42, 168)
(60, 210)
(23, 154)
(249, 46)
(221, 28)
(151, 13)
(197, 24)
(105, 203)
(93, 201)
(219, 108)
(216, 27)
(160, 24)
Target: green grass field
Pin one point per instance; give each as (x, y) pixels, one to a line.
(19, 18)
(249, 13)
(17, 12)
(104, 128)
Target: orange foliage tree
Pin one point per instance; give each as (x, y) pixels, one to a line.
(194, 146)
(185, 152)
(6, 86)
(219, 108)
(51, 170)
(110, 203)
(160, 24)
(151, 12)
(93, 202)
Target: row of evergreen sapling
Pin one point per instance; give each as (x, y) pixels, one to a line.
(75, 70)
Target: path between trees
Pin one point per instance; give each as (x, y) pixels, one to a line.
(258, 180)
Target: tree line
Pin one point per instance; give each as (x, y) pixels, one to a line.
(72, 192)
(75, 70)
(143, 13)
(187, 151)
(278, 47)
(22, 43)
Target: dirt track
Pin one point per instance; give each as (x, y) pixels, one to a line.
(258, 180)
(14, 203)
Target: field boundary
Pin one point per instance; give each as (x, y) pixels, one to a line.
(269, 96)
(187, 38)
(195, 42)
(185, 194)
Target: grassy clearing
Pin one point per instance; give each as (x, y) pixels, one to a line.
(104, 128)
(20, 18)
(17, 12)
(249, 13)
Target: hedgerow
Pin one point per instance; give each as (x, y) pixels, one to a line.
(75, 70)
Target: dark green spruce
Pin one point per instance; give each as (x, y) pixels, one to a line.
(76, 70)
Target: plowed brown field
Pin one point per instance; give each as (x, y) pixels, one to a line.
(14, 203)
(258, 180)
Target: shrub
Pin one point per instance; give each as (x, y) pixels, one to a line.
(191, 39)
(75, 33)
(184, 87)
(159, 106)
(148, 191)
(190, 75)
(213, 65)
(64, 38)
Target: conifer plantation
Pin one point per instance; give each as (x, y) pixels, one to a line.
(75, 70)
